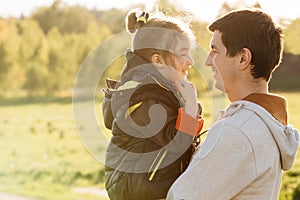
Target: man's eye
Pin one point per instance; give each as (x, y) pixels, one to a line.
(214, 51)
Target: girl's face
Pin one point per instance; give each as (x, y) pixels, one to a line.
(180, 59)
(182, 66)
(173, 67)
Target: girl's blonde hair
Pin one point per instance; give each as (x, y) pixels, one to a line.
(155, 33)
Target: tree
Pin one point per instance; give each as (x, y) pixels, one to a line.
(68, 19)
(292, 39)
(33, 56)
(11, 73)
(4, 65)
(114, 19)
(47, 17)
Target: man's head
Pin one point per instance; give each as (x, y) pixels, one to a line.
(253, 30)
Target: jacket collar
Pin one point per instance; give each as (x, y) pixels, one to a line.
(274, 104)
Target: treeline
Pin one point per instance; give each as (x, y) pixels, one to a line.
(41, 54)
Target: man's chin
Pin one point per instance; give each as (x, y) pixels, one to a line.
(220, 87)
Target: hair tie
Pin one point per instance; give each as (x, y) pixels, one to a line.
(141, 17)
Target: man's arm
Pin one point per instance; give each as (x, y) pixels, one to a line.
(222, 167)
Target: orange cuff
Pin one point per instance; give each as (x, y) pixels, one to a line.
(187, 124)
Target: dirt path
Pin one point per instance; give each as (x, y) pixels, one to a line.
(92, 190)
(4, 196)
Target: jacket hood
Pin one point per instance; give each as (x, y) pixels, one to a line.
(272, 110)
(133, 61)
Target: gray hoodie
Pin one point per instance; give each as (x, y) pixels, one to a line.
(243, 154)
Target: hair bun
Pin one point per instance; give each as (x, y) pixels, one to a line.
(136, 19)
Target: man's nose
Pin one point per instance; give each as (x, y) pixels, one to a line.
(208, 62)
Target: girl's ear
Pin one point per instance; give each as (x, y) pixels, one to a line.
(245, 58)
(156, 58)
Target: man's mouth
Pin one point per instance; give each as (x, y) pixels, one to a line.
(214, 70)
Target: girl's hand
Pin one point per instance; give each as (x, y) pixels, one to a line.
(189, 94)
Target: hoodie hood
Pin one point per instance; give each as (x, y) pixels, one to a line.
(272, 110)
(274, 104)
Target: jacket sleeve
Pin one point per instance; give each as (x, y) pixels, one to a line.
(106, 103)
(106, 109)
(221, 168)
(166, 123)
(187, 124)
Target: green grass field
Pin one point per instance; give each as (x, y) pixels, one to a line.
(43, 157)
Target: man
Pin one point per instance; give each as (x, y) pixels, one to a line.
(246, 150)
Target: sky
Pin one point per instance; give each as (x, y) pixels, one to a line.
(206, 10)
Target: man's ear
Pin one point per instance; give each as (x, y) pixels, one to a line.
(245, 58)
(156, 58)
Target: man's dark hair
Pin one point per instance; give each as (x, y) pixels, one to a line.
(256, 31)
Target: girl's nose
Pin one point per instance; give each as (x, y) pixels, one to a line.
(189, 59)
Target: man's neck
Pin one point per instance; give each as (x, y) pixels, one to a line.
(242, 90)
